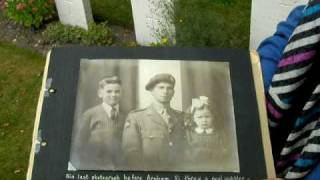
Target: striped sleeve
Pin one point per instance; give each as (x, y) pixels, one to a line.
(300, 152)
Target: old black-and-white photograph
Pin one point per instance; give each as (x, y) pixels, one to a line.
(154, 115)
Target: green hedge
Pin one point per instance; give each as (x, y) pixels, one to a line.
(116, 12)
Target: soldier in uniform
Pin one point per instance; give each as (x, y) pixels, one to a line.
(97, 144)
(154, 137)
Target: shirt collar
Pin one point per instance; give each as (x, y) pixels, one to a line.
(206, 131)
(108, 108)
(160, 109)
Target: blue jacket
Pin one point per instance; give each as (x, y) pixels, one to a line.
(270, 50)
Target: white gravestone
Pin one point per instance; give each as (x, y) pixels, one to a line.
(74, 12)
(265, 15)
(151, 20)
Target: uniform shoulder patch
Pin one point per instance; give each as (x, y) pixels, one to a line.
(177, 112)
(132, 114)
(137, 110)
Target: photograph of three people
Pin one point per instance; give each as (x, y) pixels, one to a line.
(154, 115)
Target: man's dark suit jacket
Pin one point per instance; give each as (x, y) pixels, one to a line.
(97, 143)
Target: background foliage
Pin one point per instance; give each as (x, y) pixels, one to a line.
(212, 23)
(30, 12)
(97, 34)
(118, 12)
(2, 4)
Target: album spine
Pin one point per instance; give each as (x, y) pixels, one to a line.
(258, 82)
(35, 137)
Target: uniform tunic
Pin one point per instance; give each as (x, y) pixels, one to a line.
(97, 144)
(149, 143)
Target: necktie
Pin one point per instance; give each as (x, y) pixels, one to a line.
(167, 118)
(113, 113)
(165, 115)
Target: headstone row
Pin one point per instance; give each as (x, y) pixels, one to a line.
(152, 21)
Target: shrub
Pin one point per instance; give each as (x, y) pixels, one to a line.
(2, 5)
(163, 42)
(30, 12)
(97, 34)
(116, 12)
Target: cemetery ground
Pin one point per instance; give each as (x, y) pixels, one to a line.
(20, 81)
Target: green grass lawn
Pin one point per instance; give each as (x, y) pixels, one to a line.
(20, 81)
(117, 12)
(213, 23)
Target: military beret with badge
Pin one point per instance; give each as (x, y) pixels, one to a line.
(163, 77)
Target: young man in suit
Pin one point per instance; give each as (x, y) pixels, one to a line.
(99, 136)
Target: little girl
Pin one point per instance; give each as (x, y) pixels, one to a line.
(205, 147)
